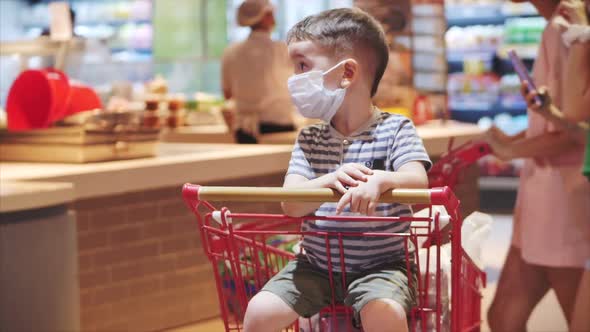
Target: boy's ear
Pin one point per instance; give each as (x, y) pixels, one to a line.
(351, 71)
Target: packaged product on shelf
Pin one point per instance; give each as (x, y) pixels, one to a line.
(473, 92)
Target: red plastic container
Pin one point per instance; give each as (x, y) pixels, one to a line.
(38, 98)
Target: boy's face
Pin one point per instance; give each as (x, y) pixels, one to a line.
(308, 56)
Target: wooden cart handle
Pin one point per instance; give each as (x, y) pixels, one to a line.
(273, 194)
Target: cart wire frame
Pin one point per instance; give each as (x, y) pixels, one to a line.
(237, 245)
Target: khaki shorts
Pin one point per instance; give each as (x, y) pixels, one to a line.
(306, 288)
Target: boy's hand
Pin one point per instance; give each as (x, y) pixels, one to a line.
(348, 175)
(363, 198)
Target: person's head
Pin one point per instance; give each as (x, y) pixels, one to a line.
(347, 38)
(256, 14)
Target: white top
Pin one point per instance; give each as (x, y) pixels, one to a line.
(256, 72)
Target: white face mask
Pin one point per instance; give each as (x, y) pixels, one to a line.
(311, 97)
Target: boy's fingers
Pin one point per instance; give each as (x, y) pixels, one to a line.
(363, 168)
(372, 207)
(355, 202)
(344, 200)
(358, 175)
(364, 207)
(340, 188)
(346, 179)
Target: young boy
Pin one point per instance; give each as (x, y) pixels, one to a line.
(339, 57)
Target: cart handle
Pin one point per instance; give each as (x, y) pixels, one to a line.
(434, 196)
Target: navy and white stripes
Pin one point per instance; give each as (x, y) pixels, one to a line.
(387, 142)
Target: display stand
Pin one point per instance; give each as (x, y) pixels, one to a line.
(42, 46)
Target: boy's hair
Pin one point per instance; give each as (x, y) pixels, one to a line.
(346, 31)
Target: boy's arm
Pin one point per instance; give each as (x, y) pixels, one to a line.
(364, 198)
(300, 182)
(301, 175)
(349, 174)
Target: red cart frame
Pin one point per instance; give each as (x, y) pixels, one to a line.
(244, 255)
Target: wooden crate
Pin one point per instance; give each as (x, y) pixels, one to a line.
(77, 145)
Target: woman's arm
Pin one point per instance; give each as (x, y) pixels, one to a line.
(577, 91)
(544, 7)
(576, 100)
(543, 146)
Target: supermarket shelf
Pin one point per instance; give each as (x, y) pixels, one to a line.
(456, 58)
(491, 59)
(466, 15)
(113, 23)
(40, 46)
(142, 51)
(498, 183)
(473, 115)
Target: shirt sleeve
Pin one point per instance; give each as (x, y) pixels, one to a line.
(299, 163)
(407, 146)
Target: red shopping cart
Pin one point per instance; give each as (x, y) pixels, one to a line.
(247, 249)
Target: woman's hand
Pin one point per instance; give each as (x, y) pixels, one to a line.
(530, 96)
(500, 143)
(573, 11)
(348, 175)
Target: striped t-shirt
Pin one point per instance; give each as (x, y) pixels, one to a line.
(385, 142)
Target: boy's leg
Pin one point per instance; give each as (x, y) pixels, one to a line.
(520, 288)
(383, 298)
(384, 315)
(268, 313)
(299, 289)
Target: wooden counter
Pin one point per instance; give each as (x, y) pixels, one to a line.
(140, 266)
(435, 135)
(175, 164)
(140, 262)
(22, 196)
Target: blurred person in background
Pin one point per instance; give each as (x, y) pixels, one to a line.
(46, 31)
(551, 238)
(254, 76)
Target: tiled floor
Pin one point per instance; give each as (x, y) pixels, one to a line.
(547, 317)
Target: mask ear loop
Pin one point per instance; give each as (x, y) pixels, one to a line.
(335, 66)
(331, 69)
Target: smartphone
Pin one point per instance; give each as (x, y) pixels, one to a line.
(523, 73)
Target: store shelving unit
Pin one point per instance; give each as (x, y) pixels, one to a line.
(485, 76)
(492, 58)
(126, 25)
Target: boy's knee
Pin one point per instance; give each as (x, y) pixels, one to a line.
(267, 312)
(257, 311)
(381, 313)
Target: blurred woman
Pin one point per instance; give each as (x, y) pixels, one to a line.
(551, 237)
(254, 76)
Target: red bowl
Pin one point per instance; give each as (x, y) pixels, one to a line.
(81, 99)
(36, 99)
